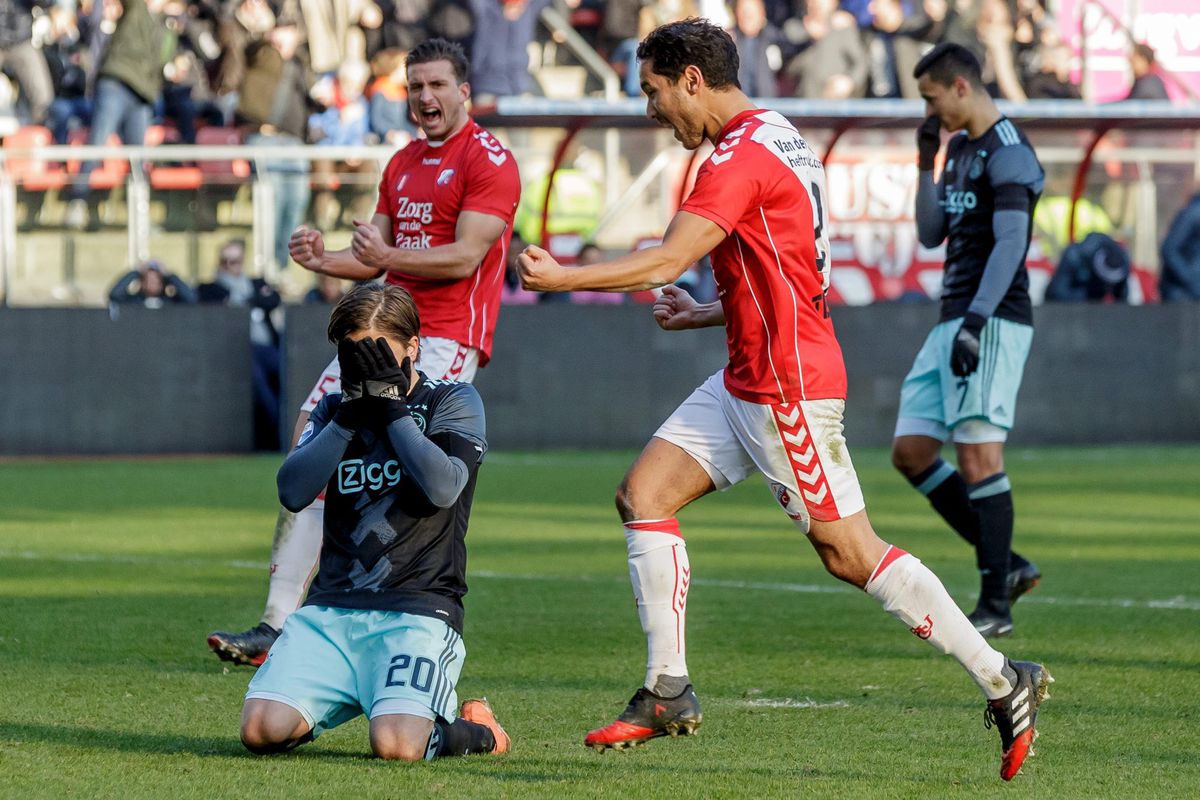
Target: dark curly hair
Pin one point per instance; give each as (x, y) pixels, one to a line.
(948, 61)
(697, 42)
(440, 50)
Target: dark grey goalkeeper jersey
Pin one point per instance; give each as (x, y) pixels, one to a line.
(397, 501)
(999, 171)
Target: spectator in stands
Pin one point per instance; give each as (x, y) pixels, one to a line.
(273, 109)
(759, 55)
(500, 51)
(1179, 278)
(233, 287)
(128, 83)
(20, 59)
(68, 57)
(343, 123)
(995, 31)
(152, 286)
(326, 290)
(334, 30)
(829, 60)
(1052, 81)
(621, 38)
(387, 97)
(184, 82)
(407, 23)
(895, 41)
(1147, 83)
(239, 27)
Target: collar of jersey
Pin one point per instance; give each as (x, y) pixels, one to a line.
(451, 137)
(737, 120)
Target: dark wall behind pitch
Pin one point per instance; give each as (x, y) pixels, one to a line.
(177, 379)
(172, 380)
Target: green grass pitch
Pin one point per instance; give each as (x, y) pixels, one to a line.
(112, 572)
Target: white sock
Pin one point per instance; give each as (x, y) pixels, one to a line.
(660, 573)
(294, 556)
(911, 593)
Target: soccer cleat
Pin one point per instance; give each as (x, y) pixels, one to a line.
(646, 717)
(990, 626)
(1022, 581)
(480, 712)
(248, 647)
(1015, 716)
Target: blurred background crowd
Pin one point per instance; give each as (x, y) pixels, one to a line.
(70, 63)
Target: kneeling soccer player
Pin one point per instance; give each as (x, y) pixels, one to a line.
(381, 630)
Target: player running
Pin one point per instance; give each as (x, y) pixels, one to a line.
(759, 207)
(396, 455)
(963, 384)
(441, 230)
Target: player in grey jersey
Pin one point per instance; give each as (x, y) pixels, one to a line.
(381, 630)
(963, 384)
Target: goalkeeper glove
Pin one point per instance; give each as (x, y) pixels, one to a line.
(352, 367)
(929, 141)
(384, 381)
(964, 354)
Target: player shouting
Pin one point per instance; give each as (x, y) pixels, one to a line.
(441, 230)
(396, 455)
(759, 207)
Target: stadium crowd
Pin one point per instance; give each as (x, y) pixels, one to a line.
(74, 63)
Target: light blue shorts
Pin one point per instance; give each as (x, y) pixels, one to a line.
(934, 401)
(332, 664)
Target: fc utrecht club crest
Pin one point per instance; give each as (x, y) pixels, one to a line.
(445, 177)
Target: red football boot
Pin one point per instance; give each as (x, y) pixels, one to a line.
(1015, 716)
(649, 716)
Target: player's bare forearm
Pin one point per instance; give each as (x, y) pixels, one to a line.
(689, 238)
(343, 264)
(452, 261)
(709, 315)
(474, 235)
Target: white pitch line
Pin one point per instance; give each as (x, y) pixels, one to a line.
(788, 702)
(1177, 603)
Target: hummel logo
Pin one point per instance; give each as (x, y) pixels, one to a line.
(924, 631)
(719, 159)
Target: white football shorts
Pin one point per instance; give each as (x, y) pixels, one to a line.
(799, 448)
(440, 358)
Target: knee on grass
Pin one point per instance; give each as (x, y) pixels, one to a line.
(267, 730)
(400, 737)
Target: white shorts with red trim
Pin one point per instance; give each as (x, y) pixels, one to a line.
(799, 448)
(443, 359)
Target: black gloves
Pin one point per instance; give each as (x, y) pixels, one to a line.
(372, 382)
(964, 354)
(382, 376)
(929, 141)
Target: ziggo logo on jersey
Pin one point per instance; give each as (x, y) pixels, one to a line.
(354, 475)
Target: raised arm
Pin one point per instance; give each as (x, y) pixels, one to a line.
(441, 463)
(307, 469)
(931, 216)
(689, 238)
(474, 235)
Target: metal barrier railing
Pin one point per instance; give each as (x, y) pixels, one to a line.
(825, 123)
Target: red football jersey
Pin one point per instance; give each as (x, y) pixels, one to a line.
(424, 188)
(766, 189)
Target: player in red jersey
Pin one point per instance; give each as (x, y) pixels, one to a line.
(776, 409)
(441, 230)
